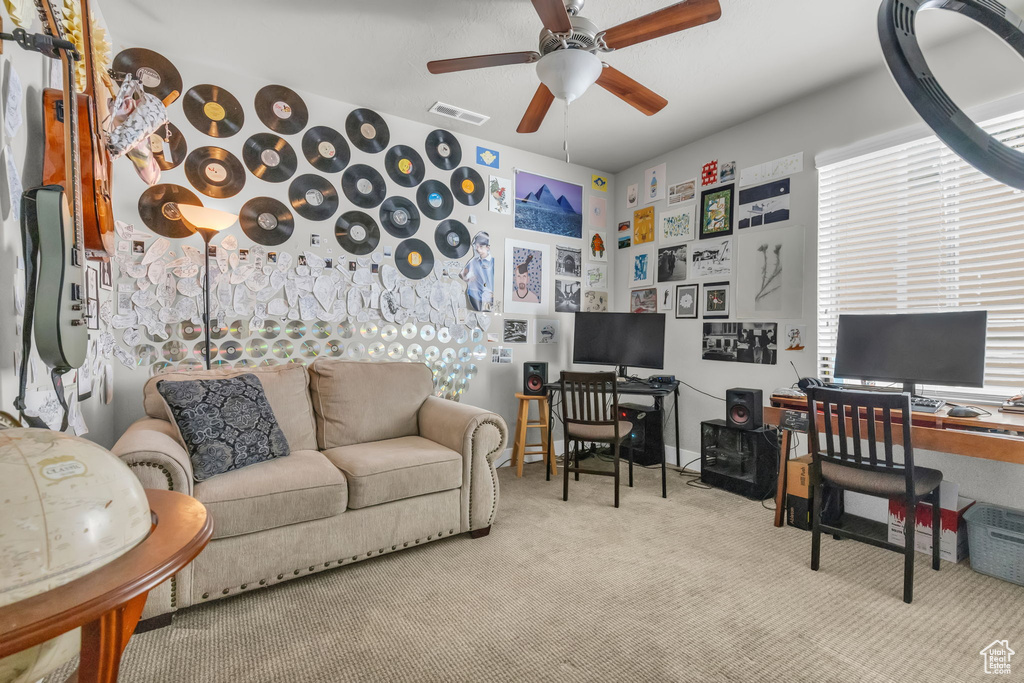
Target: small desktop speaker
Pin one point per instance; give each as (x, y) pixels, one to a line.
(535, 376)
(743, 408)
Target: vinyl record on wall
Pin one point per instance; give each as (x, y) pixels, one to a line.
(215, 172)
(281, 109)
(213, 110)
(443, 150)
(169, 146)
(313, 197)
(414, 259)
(158, 76)
(158, 208)
(467, 186)
(357, 233)
(325, 149)
(404, 165)
(452, 238)
(266, 221)
(269, 157)
(435, 200)
(399, 217)
(367, 131)
(364, 186)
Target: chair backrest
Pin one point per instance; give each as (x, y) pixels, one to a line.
(585, 398)
(864, 410)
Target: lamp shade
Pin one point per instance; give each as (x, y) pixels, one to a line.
(568, 73)
(206, 218)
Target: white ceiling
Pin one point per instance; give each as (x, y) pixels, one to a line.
(758, 56)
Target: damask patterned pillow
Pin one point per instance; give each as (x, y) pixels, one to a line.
(226, 424)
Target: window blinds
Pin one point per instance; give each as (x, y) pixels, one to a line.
(915, 228)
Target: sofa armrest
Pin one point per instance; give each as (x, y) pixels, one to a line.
(479, 435)
(151, 449)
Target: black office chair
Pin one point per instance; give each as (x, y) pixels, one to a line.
(838, 467)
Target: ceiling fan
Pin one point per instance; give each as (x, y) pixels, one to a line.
(567, 61)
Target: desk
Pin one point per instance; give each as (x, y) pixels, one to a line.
(929, 431)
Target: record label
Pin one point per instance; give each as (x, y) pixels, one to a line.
(215, 172)
(266, 221)
(282, 110)
(313, 197)
(414, 258)
(435, 199)
(326, 150)
(270, 158)
(364, 186)
(213, 110)
(149, 77)
(367, 131)
(404, 166)
(468, 186)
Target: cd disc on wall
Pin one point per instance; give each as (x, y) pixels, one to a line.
(168, 151)
(443, 150)
(325, 149)
(213, 110)
(363, 186)
(467, 186)
(281, 109)
(357, 233)
(367, 131)
(404, 165)
(157, 75)
(399, 217)
(215, 172)
(435, 200)
(266, 221)
(452, 239)
(313, 197)
(158, 208)
(269, 157)
(414, 259)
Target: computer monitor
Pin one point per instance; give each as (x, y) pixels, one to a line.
(913, 348)
(622, 339)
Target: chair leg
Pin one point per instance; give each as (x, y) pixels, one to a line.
(936, 530)
(630, 467)
(908, 552)
(576, 459)
(567, 455)
(816, 528)
(616, 447)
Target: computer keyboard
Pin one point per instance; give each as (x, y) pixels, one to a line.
(922, 404)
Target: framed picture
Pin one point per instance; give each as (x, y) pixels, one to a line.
(741, 342)
(682, 192)
(717, 300)
(672, 263)
(642, 269)
(548, 205)
(716, 212)
(92, 296)
(106, 276)
(527, 285)
(643, 300)
(686, 301)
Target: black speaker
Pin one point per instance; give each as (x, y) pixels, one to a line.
(645, 438)
(743, 408)
(535, 376)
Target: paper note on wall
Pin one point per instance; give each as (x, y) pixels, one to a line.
(12, 107)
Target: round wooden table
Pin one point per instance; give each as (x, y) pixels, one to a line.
(108, 602)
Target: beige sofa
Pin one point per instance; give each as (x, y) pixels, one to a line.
(377, 464)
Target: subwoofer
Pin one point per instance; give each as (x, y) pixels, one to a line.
(743, 408)
(535, 376)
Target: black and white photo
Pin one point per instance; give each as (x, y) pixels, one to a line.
(515, 331)
(568, 261)
(672, 263)
(567, 296)
(741, 342)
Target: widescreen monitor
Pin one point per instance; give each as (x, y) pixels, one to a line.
(623, 339)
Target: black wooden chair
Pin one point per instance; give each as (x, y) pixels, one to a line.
(843, 410)
(590, 406)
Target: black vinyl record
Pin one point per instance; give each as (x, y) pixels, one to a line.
(281, 109)
(443, 150)
(158, 208)
(266, 221)
(364, 186)
(367, 131)
(400, 217)
(357, 233)
(168, 150)
(269, 157)
(158, 75)
(435, 200)
(414, 259)
(313, 197)
(213, 110)
(467, 186)
(404, 165)
(325, 149)
(452, 238)
(215, 172)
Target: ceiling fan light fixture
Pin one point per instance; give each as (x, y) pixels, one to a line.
(568, 73)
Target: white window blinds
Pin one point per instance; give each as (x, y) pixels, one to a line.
(915, 228)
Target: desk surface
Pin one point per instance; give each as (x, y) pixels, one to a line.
(634, 388)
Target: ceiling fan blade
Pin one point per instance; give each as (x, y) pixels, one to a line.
(444, 66)
(625, 88)
(537, 110)
(678, 17)
(553, 15)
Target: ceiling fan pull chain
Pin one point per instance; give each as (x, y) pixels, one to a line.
(565, 132)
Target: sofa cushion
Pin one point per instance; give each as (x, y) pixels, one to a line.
(300, 488)
(394, 469)
(286, 387)
(358, 402)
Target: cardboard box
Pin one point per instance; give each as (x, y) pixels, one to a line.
(799, 498)
(953, 539)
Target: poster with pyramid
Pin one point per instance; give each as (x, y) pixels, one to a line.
(548, 205)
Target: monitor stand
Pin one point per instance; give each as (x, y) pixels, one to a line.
(909, 388)
(623, 374)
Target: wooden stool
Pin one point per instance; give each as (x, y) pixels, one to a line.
(519, 445)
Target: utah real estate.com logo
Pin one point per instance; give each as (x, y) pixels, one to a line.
(997, 657)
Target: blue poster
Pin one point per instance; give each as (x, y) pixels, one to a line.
(487, 157)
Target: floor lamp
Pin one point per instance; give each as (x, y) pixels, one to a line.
(206, 222)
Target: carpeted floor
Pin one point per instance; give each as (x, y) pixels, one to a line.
(698, 587)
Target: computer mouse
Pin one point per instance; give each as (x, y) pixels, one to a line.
(964, 411)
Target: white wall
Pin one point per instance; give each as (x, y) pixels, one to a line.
(834, 118)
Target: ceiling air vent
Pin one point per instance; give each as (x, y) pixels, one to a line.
(458, 113)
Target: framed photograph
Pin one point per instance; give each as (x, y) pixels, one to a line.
(686, 301)
(741, 342)
(654, 184)
(672, 263)
(92, 296)
(515, 331)
(716, 212)
(717, 300)
(643, 300)
(106, 276)
(598, 246)
(527, 286)
(567, 296)
(548, 205)
(682, 192)
(642, 269)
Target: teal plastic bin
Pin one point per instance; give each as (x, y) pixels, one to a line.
(996, 538)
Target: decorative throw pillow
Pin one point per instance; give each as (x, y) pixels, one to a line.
(226, 424)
